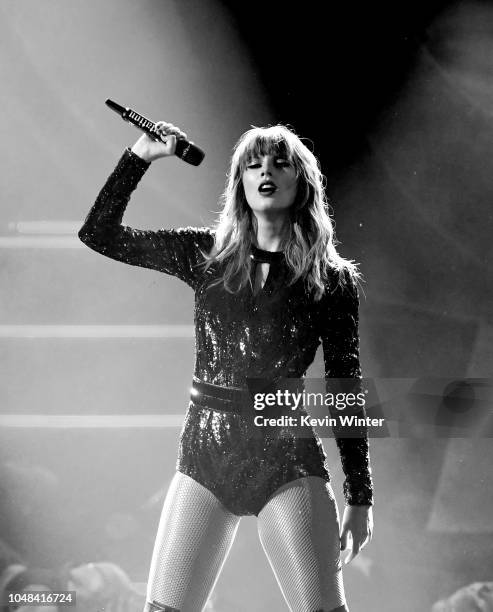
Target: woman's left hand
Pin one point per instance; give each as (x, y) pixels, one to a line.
(357, 521)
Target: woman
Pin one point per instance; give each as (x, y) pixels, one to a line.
(269, 285)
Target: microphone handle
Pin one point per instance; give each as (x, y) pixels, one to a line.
(185, 150)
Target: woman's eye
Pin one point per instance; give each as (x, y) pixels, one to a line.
(281, 163)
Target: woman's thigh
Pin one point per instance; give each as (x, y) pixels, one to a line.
(194, 537)
(299, 531)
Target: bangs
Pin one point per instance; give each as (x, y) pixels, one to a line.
(264, 143)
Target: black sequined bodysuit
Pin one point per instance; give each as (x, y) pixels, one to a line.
(274, 333)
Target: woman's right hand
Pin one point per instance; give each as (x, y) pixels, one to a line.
(149, 149)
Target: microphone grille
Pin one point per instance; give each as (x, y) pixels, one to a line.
(189, 152)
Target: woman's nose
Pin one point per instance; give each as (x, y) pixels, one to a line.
(266, 168)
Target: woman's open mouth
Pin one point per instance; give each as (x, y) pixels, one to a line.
(267, 188)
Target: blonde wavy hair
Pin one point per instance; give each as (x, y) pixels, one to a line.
(310, 246)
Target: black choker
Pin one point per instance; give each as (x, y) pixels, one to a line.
(262, 256)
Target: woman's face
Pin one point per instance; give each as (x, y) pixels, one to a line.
(270, 183)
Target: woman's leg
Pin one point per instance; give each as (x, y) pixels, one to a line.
(194, 537)
(299, 531)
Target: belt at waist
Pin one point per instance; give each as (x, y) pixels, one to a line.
(229, 399)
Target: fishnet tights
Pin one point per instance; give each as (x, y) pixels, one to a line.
(298, 529)
(194, 537)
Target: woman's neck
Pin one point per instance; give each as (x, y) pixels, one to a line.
(270, 233)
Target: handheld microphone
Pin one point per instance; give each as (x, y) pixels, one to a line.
(185, 150)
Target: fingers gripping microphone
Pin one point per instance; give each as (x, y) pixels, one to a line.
(185, 150)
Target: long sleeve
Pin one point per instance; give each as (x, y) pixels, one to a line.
(340, 342)
(172, 251)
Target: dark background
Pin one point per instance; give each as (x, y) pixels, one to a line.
(332, 68)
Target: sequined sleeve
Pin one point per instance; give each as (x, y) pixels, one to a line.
(172, 251)
(340, 342)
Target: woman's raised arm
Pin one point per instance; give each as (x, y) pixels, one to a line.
(172, 251)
